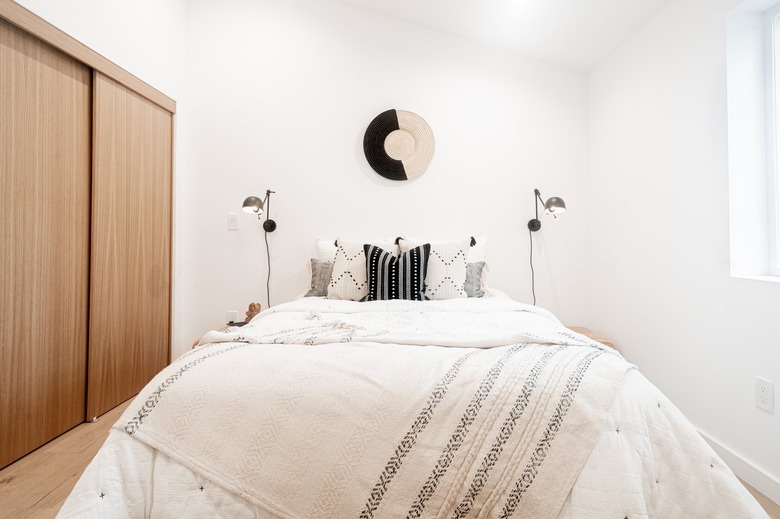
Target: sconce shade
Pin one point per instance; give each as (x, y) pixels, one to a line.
(252, 204)
(554, 205)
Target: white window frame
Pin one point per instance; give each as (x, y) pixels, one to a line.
(772, 89)
(753, 121)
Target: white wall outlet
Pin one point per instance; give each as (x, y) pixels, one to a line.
(232, 221)
(232, 316)
(765, 394)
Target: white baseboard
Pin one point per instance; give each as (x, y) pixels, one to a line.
(747, 470)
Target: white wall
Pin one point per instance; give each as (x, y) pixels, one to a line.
(145, 37)
(660, 284)
(280, 95)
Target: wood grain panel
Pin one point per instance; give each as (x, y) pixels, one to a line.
(45, 121)
(131, 242)
(37, 26)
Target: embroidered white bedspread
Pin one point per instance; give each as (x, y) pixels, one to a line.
(468, 323)
(324, 409)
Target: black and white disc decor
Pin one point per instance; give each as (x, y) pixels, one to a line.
(398, 145)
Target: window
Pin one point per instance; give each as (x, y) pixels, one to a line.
(772, 93)
(753, 95)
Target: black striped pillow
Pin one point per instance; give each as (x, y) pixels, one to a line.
(401, 277)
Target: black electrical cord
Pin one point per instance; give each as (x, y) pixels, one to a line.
(533, 284)
(267, 248)
(268, 278)
(268, 226)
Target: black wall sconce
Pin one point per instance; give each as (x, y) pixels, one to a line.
(553, 206)
(253, 205)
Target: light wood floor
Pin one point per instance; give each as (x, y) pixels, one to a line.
(37, 485)
(772, 508)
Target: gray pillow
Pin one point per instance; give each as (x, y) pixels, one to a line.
(320, 278)
(473, 284)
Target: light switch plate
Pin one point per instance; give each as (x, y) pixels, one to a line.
(232, 221)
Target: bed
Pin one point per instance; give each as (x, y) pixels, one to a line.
(470, 407)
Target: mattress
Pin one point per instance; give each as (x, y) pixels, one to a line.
(459, 408)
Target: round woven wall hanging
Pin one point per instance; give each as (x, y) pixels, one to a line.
(398, 145)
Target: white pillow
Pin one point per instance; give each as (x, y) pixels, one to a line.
(326, 249)
(478, 252)
(349, 280)
(446, 277)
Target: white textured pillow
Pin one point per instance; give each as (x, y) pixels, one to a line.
(326, 249)
(348, 280)
(446, 277)
(478, 252)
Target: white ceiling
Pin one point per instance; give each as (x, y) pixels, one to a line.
(574, 33)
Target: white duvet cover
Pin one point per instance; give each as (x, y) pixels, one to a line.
(459, 408)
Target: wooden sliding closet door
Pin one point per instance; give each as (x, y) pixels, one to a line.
(131, 241)
(45, 121)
